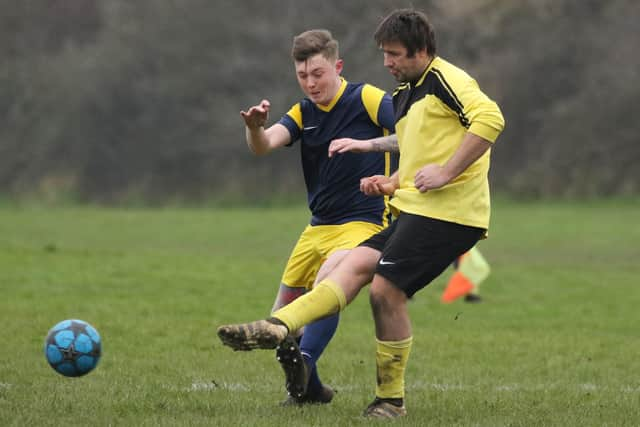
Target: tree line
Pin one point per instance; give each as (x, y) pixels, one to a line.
(114, 101)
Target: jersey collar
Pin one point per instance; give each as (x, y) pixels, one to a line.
(424, 74)
(336, 98)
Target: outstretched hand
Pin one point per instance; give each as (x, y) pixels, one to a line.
(257, 115)
(343, 145)
(377, 185)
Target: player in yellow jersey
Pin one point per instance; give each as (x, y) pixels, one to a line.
(446, 127)
(470, 268)
(341, 215)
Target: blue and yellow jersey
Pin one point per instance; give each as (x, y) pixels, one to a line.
(358, 111)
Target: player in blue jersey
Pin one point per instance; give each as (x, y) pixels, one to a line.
(341, 215)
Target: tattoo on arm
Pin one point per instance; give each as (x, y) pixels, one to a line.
(385, 144)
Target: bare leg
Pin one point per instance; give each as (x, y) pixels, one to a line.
(330, 264)
(350, 275)
(389, 306)
(286, 294)
(355, 271)
(393, 333)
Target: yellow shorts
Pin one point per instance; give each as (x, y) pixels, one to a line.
(315, 245)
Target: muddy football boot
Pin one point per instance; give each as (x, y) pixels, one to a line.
(381, 408)
(249, 336)
(295, 369)
(322, 397)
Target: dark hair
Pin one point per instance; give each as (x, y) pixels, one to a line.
(409, 27)
(313, 42)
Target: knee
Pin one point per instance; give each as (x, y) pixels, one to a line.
(378, 298)
(384, 296)
(376, 295)
(362, 262)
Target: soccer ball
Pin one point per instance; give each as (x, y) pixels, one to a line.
(72, 347)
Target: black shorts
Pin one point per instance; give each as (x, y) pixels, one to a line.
(416, 249)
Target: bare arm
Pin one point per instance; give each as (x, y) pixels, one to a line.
(259, 140)
(380, 144)
(434, 176)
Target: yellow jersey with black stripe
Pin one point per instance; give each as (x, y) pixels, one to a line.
(359, 111)
(432, 116)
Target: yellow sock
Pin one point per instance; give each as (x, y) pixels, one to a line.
(325, 299)
(391, 361)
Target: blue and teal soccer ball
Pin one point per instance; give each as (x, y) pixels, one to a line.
(73, 348)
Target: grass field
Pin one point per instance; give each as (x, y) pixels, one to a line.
(555, 342)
